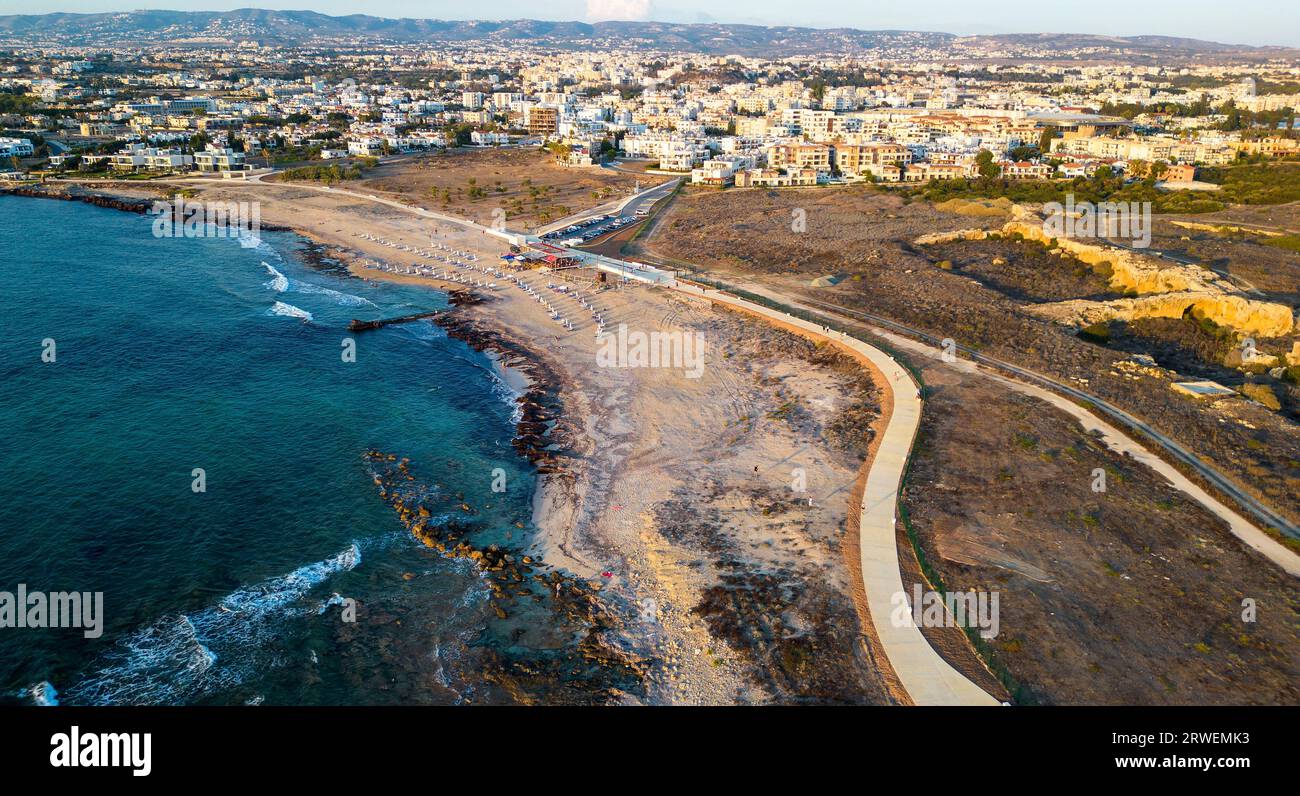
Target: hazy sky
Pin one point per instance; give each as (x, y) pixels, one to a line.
(1237, 22)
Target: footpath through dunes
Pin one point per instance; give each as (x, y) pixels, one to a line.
(924, 674)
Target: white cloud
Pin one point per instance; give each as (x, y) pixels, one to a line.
(604, 10)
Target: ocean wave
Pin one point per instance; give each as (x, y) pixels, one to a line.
(43, 694)
(425, 331)
(181, 658)
(334, 599)
(343, 299)
(503, 390)
(290, 311)
(449, 661)
(509, 396)
(248, 240)
(279, 282)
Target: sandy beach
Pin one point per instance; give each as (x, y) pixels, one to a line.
(715, 511)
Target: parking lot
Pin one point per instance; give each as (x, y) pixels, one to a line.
(590, 229)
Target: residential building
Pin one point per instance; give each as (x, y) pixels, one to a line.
(803, 156)
(542, 120)
(1025, 170)
(15, 148)
(215, 158)
(860, 159)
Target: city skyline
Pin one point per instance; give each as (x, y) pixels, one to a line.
(1197, 19)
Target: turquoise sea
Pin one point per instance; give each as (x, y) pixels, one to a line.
(225, 355)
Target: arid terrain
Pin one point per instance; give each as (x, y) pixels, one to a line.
(1133, 595)
(1001, 493)
(858, 250)
(1244, 242)
(524, 182)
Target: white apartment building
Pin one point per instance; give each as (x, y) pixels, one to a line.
(675, 152)
(418, 139)
(683, 159)
(482, 138)
(754, 104)
(15, 148)
(215, 158)
(1151, 149)
(720, 170)
(366, 147)
(139, 157)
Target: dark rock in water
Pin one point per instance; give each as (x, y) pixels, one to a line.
(362, 326)
(464, 298)
(315, 256)
(540, 408)
(589, 669)
(99, 200)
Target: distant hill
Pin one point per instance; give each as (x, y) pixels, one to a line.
(307, 27)
(1076, 41)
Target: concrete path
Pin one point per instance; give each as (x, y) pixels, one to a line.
(1120, 442)
(928, 678)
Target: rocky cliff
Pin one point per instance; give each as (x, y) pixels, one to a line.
(1161, 289)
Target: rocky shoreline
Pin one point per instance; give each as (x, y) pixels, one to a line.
(593, 665)
(540, 436)
(138, 206)
(76, 193)
(598, 666)
(592, 662)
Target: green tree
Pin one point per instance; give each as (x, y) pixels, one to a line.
(987, 168)
(1045, 139)
(818, 87)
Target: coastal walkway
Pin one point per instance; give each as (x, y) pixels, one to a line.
(928, 678)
